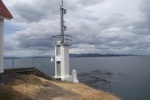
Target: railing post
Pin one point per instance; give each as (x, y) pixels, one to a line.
(13, 62)
(33, 62)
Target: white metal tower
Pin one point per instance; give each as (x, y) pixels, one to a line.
(62, 52)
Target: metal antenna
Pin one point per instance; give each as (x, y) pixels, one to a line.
(62, 3)
(62, 10)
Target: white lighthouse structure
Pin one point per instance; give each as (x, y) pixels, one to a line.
(4, 14)
(62, 53)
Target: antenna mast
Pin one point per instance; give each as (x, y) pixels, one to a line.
(62, 26)
(62, 3)
(62, 53)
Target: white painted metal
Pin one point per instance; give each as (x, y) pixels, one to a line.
(64, 62)
(61, 61)
(74, 76)
(62, 54)
(1, 44)
(57, 60)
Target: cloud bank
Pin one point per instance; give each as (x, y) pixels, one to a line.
(97, 26)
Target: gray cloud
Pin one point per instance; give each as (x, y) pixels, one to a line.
(145, 24)
(93, 30)
(36, 10)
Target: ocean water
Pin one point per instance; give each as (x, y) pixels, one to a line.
(127, 77)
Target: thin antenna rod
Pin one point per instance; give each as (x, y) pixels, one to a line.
(62, 22)
(62, 3)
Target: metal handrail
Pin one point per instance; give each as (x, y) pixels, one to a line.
(66, 38)
(60, 36)
(38, 62)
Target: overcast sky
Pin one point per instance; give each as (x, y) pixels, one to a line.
(97, 26)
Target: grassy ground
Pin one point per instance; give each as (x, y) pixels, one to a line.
(30, 87)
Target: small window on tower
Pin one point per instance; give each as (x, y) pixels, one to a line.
(58, 50)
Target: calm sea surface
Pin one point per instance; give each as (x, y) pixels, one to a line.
(127, 77)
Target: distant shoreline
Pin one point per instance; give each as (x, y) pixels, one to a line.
(76, 55)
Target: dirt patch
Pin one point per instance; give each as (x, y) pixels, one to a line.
(35, 88)
(8, 93)
(50, 91)
(85, 92)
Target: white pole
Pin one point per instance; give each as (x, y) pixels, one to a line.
(1, 44)
(62, 22)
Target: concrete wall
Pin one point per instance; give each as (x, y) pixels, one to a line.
(1, 43)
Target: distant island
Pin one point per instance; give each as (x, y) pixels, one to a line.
(74, 55)
(99, 55)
